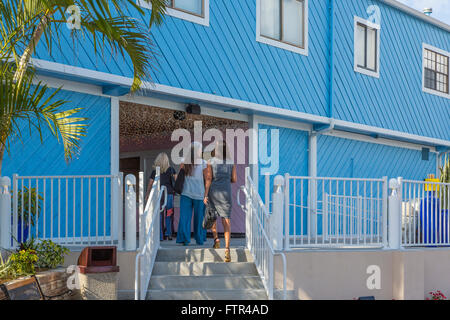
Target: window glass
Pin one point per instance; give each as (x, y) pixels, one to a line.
(270, 19)
(293, 22)
(360, 45)
(194, 6)
(436, 71)
(371, 49)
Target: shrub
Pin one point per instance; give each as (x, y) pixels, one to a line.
(50, 254)
(438, 295)
(23, 262)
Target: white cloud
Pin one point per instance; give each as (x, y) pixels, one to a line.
(441, 8)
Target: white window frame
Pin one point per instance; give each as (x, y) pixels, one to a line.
(191, 17)
(369, 24)
(279, 44)
(426, 46)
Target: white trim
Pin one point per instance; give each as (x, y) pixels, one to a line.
(70, 85)
(367, 23)
(381, 141)
(442, 52)
(253, 152)
(279, 44)
(284, 123)
(181, 14)
(232, 103)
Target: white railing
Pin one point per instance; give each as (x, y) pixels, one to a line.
(425, 213)
(69, 210)
(335, 212)
(150, 225)
(257, 233)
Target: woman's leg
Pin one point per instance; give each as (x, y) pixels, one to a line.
(227, 231)
(161, 218)
(199, 212)
(184, 226)
(169, 215)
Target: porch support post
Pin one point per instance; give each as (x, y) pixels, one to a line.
(253, 146)
(312, 172)
(277, 216)
(130, 212)
(5, 213)
(395, 213)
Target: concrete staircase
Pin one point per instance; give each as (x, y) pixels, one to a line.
(201, 274)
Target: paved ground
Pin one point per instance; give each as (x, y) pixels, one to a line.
(235, 243)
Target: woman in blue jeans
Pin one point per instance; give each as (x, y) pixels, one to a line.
(191, 200)
(167, 177)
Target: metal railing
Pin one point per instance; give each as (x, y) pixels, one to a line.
(425, 219)
(150, 220)
(335, 212)
(69, 210)
(258, 231)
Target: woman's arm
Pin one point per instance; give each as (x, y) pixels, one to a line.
(234, 174)
(207, 177)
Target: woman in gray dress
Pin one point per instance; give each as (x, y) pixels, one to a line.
(222, 173)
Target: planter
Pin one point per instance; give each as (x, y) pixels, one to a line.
(26, 229)
(52, 282)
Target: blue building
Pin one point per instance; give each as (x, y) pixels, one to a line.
(355, 88)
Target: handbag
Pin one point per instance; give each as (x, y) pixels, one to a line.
(210, 217)
(179, 183)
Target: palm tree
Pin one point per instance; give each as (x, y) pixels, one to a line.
(25, 23)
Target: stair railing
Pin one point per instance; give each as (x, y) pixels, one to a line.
(150, 220)
(258, 241)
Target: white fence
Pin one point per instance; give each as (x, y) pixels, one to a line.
(258, 230)
(150, 243)
(69, 210)
(425, 213)
(335, 212)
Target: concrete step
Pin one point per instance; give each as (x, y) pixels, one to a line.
(205, 283)
(202, 255)
(242, 294)
(204, 268)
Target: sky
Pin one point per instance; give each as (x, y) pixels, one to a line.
(441, 8)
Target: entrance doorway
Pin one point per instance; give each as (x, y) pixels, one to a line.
(146, 131)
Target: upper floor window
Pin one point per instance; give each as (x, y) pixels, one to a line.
(283, 24)
(436, 70)
(367, 47)
(196, 11)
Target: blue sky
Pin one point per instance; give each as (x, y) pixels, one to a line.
(441, 8)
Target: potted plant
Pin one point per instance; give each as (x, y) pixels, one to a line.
(27, 211)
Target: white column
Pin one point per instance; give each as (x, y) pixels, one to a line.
(142, 220)
(395, 211)
(253, 149)
(312, 172)
(5, 213)
(130, 212)
(248, 213)
(277, 217)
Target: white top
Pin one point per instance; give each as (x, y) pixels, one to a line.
(194, 186)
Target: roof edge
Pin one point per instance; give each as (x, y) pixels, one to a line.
(416, 13)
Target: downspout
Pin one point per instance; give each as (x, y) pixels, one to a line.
(331, 62)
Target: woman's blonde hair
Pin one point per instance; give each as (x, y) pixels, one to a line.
(162, 161)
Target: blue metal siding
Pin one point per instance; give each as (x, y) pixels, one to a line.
(395, 100)
(48, 157)
(339, 157)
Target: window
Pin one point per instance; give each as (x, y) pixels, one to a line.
(367, 47)
(283, 24)
(196, 11)
(436, 70)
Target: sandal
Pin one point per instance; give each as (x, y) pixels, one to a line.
(227, 255)
(216, 243)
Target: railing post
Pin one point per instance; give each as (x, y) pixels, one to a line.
(384, 212)
(286, 213)
(5, 213)
(142, 222)
(120, 212)
(267, 191)
(15, 208)
(130, 212)
(248, 204)
(276, 219)
(395, 209)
